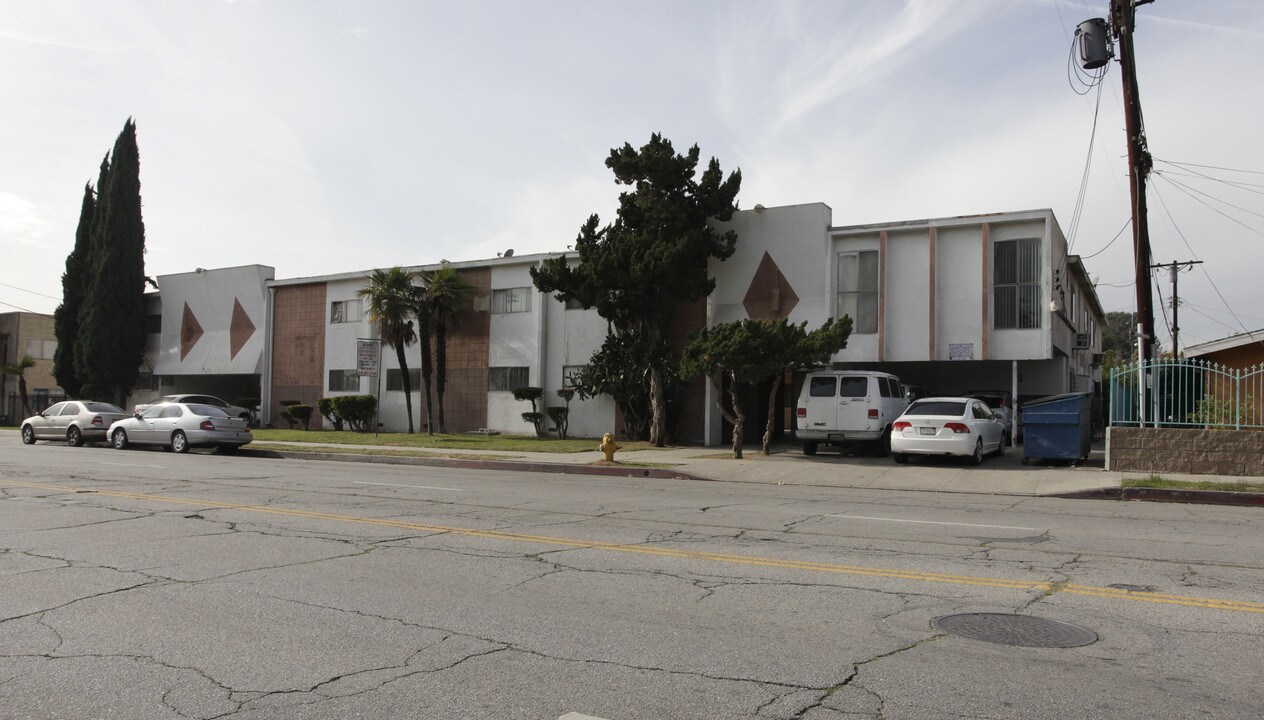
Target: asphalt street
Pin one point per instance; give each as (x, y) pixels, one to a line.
(145, 584)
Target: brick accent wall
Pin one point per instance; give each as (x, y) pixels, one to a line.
(469, 342)
(298, 348)
(1185, 451)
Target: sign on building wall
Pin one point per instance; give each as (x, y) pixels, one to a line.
(367, 357)
(960, 351)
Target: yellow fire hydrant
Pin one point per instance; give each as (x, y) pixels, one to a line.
(608, 446)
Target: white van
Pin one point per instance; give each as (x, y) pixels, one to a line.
(848, 406)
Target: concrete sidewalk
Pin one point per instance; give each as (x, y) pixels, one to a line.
(787, 465)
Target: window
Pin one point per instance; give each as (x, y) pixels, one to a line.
(55, 410)
(41, 349)
(822, 387)
(1016, 284)
(344, 311)
(858, 290)
(70, 409)
(395, 380)
(854, 386)
(570, 373)
(884, 387)
(508, 379)
(344, 381)
(172, 411)
(511, 300)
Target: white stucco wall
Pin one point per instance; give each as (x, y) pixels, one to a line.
(516, 341)
(1034, 343)
(907, 307)
(572, 338)
(211, 296)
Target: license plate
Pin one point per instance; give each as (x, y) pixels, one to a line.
(926, 430)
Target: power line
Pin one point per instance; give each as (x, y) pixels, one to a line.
(13, 287)
(1213, 197)
(19, 307)
(1212, 208)
(1213, 167)
(1112, 241)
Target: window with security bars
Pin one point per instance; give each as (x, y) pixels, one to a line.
(858, 290)
(1016, 284)
(508, 379)
(344, 381)
(395, 379)
(511, 300)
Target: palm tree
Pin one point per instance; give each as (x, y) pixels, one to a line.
(448, 294)
(392, 298)
(19, 369)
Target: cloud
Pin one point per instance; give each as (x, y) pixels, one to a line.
(22, 220)
(357, 32)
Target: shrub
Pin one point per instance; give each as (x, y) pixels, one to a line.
(356, 410)
(289, 418)
(560, 417)
(326, 408)
(535, 417)
(301, 414)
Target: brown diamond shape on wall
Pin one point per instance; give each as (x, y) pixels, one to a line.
(769, 296)
(240, 330)
(190, 331)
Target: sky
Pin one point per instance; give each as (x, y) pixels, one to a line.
(323, 136)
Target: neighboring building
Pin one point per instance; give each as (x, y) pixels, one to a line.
(1239, 352)
(205, 334)
(24, 333)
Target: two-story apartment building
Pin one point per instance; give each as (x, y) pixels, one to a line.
(22, 334)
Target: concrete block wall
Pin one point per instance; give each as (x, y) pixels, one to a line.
(1185, 451)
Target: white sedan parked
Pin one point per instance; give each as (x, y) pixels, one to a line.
(180, 426)
(959, 426)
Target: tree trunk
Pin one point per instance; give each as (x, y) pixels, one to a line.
(441, 368)
(734, 420)
(26, 400)
(739, 420)
(772, 398)
(408, 390)
(658, 409)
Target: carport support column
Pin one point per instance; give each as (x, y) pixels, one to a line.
(1013, 394)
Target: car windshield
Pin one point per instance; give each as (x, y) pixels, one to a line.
(948, 408)
(207, 410)
(103, 407)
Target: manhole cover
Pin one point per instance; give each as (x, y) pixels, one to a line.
(1019, 630)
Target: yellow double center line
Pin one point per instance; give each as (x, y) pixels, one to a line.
(750, 560)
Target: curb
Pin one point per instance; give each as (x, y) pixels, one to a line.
(1139, 494)
(1143, 494)
(499, 465)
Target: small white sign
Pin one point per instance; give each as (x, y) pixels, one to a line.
(960, 351)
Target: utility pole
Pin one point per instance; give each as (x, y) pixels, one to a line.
(1173, 268)
(1123, 16)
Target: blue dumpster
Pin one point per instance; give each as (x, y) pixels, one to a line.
(1058, 427)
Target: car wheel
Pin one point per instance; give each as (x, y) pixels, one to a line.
(809, 448)
(900, 458)
(1000, 448)
(883, 448)
(179, 443)
(119, 439)
(977, 457)
(28, 435)
(1007, 439)
(74, 438)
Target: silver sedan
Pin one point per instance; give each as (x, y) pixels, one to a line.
(180, 426)
(75, 421)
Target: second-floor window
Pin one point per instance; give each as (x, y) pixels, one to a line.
(858, 290)
(344, 311)
(1016, 284)
(511, 300)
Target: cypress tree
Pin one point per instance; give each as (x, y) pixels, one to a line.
(73, 285)
(112, 316)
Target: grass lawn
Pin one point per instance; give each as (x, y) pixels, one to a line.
(1156, 481)
(493, 443)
